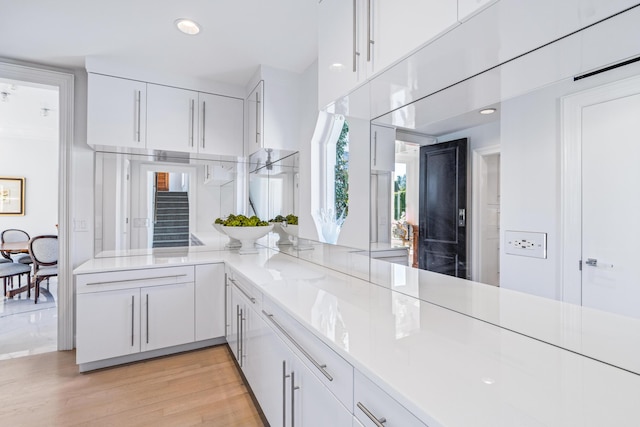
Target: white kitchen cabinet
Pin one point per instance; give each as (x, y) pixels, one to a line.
(108, 324)
(311, 402)
(221, 125)
(121, 313)
(399, 27)
(372, 403)
(255, 118)
(209, 301)
(172, 118)
(357, 39)
(116, 112)
(468, 8)
(383, 148)
(167, 316)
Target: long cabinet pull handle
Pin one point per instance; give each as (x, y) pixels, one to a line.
(138, 110)
(369, 41)
(241, 336)
(375, 148)
(320, 367)
(294, 387)
(355, 40)
(258, 117)
(377, 421)
(246, 294)
(133, 299)
(284, 393)
(147, 318)
(173, 276)
(191, 114)
(238, 333)
(204, 115)
(226, 305)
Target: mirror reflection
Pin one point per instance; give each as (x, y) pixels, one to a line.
(147, 204)
(514, 183)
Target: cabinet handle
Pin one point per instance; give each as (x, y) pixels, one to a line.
(284, 393)
(191, 114)
(369, 41)
(241, 353)
(174, 276)
(147, 295)
(204, 115)
(257, 117)
(377, 421)
(294, 387)
(320, 367)
(137, 118)
(252, 299)
(238, 334)
(355, 40)
(375, 148)
(226, 306)
(132, 315)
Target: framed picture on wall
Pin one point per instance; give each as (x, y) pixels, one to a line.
(12, 196)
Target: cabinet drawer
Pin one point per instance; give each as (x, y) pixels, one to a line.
(371, 402)
(245, 288)
(127, 279)
(331, 369)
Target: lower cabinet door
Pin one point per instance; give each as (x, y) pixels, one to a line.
(312, 403)
(107, 324)
(209, 301)
(167, 316)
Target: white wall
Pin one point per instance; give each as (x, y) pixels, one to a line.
(29, 148)
(37, 161)
(531, 179)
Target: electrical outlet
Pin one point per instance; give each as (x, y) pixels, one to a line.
(526, 243)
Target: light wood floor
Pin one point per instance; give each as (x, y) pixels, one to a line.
(202, 387)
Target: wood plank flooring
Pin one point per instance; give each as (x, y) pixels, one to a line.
(201, 387)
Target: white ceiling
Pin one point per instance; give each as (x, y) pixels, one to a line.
(236, 35)
(28, 112)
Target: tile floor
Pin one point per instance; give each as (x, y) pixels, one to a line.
(27, 328)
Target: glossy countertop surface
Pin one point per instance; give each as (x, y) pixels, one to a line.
(453, 366)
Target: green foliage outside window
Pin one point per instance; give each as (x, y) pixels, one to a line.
(342, 174)
(399, 196)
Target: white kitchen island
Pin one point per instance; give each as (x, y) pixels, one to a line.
(430, 350)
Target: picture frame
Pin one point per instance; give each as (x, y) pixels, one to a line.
(12, 191)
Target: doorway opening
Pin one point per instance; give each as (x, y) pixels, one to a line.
(30, 140)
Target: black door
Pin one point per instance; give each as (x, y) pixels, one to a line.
(442, 231)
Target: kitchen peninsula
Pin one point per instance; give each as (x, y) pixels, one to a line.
(378, 351)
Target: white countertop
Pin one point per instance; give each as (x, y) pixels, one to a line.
(446, 366)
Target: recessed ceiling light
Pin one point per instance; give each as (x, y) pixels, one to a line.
(488, 111)
(188, 26)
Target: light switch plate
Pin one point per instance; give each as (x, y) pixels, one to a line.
(525, 243)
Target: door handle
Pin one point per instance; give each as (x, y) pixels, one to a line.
(462, 217)
(593, 262)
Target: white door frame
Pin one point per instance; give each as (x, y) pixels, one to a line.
(65, 84)
(571, 182)
(476, 190)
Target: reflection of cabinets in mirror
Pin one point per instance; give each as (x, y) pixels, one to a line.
(127, 113)
(218, 173)
(383, 148)
(255, 108)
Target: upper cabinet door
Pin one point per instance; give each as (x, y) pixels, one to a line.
(255, 119)
(339, 52)
(116, 112)
(172, 118)
(467, 8)
(221, 129)
(396, 28)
